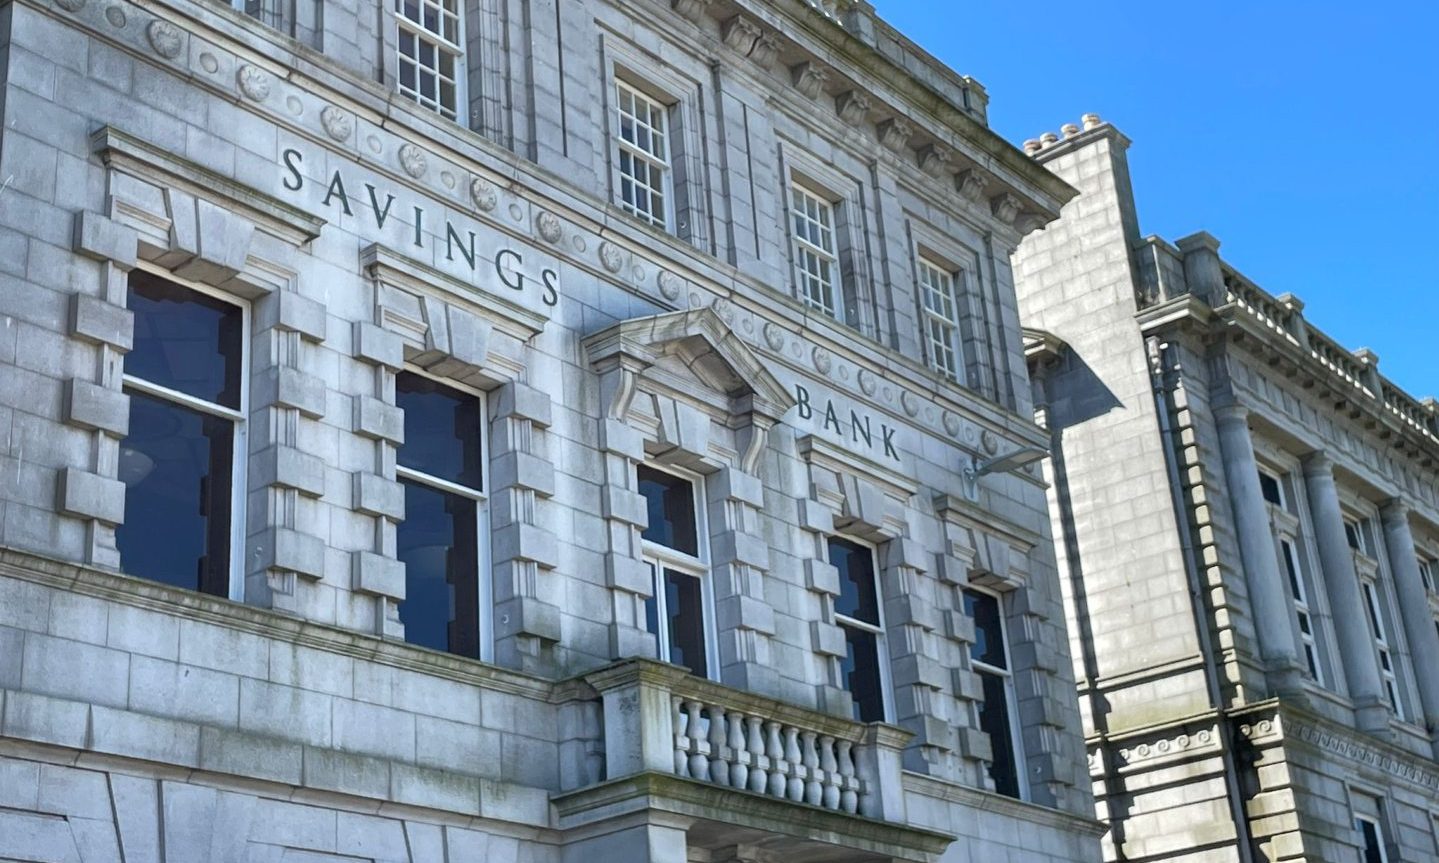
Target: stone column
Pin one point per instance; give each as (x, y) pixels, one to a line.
(1413, 608)
(1268, 597)
(1356, 642)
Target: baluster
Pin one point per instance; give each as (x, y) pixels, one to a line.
(699, 748)
(795, 788)
(813, 792)
(830, 774)
(738, 751)
(682, 741)
(848, 797)
(719, 757)
(758, 774)
(777, 766)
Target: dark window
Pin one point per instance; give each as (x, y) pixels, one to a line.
(441, 467)
(1373, 842)
(857, 613)
(442, 430)
(1269, 487)
(1352, 536)
(185, 381)
(684, 629)
(990, 658)
(670, 501)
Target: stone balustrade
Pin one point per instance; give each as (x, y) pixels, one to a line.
(659, 718)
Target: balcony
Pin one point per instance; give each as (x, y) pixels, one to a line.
(693, 765)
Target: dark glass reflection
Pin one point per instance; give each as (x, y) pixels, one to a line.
(686, 620)
(175, 464)
(442, 430)
(857, 597)
(988, 646)
(994, 721)
(185, 340)
(437, 542)
(859, 669)
(670, 501)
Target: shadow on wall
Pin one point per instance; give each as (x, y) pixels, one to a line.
(1077, 394)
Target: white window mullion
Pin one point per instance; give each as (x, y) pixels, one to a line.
(941, 319)
(816, 256)
(645, 178)
(430, 54)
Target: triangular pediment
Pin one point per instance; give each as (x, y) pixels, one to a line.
(706, 346)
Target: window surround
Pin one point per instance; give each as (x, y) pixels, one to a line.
(484, 587)
(1379, 611)
(1016, 742)
(239, 468)
(1293, 557)
(662, 558)
(854, 300)
(1366, 807)
(652, 158)
(648, 75)
(422, 34)
(972, 325)
(877, 629)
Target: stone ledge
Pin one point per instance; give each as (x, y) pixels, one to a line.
(726, 814)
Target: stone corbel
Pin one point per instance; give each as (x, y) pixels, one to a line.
(894, 134)
(740, 33)
(766, 50)
(810, 78)
(695, 10)
(971, 184)
(934, 160)
(1005, 207)
(852, 107)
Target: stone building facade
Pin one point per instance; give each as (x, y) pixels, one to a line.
(1247, 518)
(518, 430)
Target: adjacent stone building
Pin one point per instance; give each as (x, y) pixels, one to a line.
(519, 430)
(1247, 518)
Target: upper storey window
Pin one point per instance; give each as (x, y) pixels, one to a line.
(678, 611)
(431, 53)
(864, 669)
(1284, 523)
(181, 461)
(998, 712)
(443, 539)
(644, 156)
(816, 252)
(937, 286)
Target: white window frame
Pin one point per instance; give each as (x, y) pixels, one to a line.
(484, 580)
(949, 342)
(624, 87)
(239, 469)
(824, 205)
(1426, 575)
(660, 557)
(886, 691)
(1011, 693)
(1378, 833)
(1384, 651)
(443, 46)
(1285, 525)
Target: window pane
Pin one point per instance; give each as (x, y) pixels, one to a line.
(438, 544)
(859, 670)
(1373, 845)
(670, 501)
(857, 597)
(185, 340)
(994, 721)
(442, 430)
(176, 466)
(988, 644)
(685, 602)
(1269, 487)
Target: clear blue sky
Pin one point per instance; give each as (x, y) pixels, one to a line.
(1305, 136)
